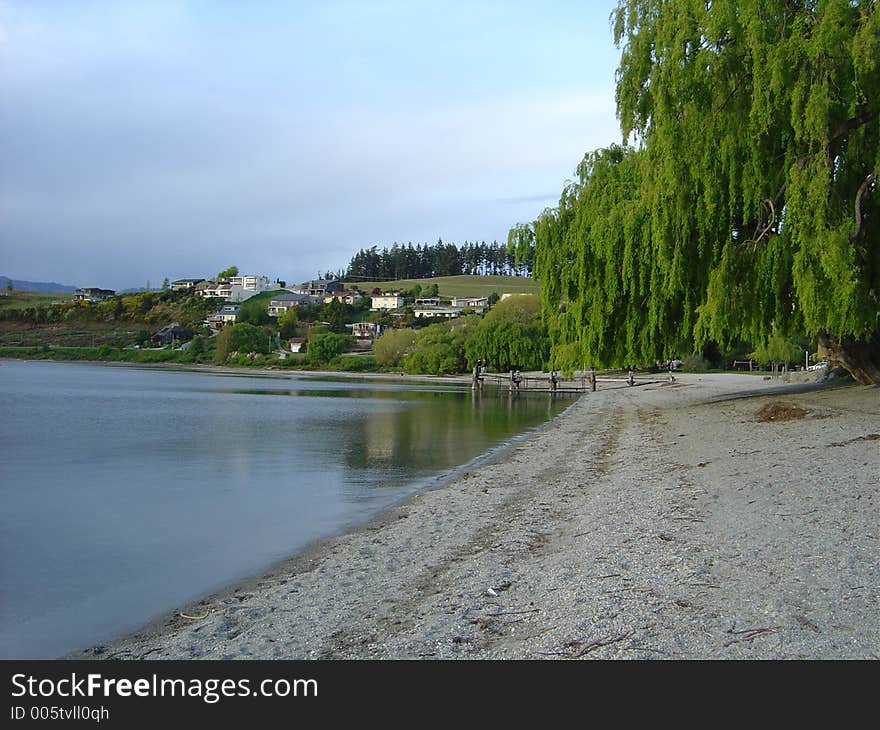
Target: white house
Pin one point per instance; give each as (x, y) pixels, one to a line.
(387, 301)
(428, 302)
(251, 283)
(237, 288)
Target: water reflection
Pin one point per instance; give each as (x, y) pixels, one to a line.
(129, 491)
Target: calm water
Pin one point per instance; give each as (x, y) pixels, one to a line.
(127, 492)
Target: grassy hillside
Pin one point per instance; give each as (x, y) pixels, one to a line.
(459, 286)
(21, 299)
(251, 310)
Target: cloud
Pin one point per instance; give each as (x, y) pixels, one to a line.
(141, 140)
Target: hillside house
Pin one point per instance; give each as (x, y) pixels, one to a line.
(387, 301)
(365, 330)
(478, 304)
(226, 315)
(185, 284)
(92, 294)
(220, 289)
(172, 333)
(251, 283)
(318, 287)
(346, 296)
(280, 304)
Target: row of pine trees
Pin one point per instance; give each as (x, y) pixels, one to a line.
(424, 261)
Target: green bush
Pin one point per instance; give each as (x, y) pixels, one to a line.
(248, 338)
(324, 347)
(695, 364)
(358, 364)
(434, 359)
(391, 347)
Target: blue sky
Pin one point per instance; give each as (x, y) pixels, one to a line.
(156, 138)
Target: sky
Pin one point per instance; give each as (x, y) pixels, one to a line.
(174, 138)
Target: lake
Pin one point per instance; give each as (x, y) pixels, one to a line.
(129, 491)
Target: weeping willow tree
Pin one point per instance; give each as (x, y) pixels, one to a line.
(749, 204)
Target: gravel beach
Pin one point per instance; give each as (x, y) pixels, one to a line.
(716, 517)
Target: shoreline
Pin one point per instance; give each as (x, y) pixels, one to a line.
(460, 379)
(621, 529)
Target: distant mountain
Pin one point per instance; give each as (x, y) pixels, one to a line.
(47, 287)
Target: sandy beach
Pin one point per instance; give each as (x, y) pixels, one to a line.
(717, 517)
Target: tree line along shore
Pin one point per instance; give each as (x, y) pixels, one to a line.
(505, 335)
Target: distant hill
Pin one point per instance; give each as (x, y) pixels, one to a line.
(45, 287)
(465, 285)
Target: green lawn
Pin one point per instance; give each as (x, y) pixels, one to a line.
(22, 299)
(259, 302)
(459, 286)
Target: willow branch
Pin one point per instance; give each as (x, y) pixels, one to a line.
(866, 116)
(866, 183)
(844, 128)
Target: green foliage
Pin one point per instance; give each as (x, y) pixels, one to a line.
(141, 338)
(357, 364)
(228, 273)
(454, 286)
(287, 323)
(777, 349)
(511, 334)
(247, 338)
(392, 345)
(324, 347)
(695, 364)
(751, 201)
(505, 344)
(337, 314)
(223, 345)
(522, 308)
(255, 310)
(196, 350)
(442, 259)
(150, 310)
(104, 353)
(440, 349)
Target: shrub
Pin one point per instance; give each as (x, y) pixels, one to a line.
(323, 348)
(391, 347)
(695, 364)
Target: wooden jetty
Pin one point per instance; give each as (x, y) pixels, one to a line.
(516, 382)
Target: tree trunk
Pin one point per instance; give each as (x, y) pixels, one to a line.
(860, 357)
